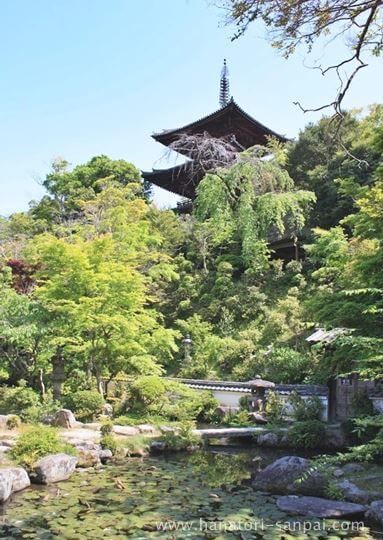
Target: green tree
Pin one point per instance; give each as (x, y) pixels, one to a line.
(348, 285)
(66, 187)
(95, 287)
(245, 203)
(21, 335)
(334, 168)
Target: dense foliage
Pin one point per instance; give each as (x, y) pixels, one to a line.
(96, 282)
(37, 442)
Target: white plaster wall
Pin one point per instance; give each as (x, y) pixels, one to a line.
(231, 399)
(288, 408)
(228, 399)
(378, 404)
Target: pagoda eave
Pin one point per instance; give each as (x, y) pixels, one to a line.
(229, 120)
(180, 180)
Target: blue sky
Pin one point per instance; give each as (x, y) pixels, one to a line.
(81, 78)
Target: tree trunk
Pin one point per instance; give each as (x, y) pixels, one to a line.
(41, 384)
(58, 374)
(99, 384)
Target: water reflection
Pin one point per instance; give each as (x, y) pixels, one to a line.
(139, 498)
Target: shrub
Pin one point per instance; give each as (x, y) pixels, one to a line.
(134, 419)
(308, 434)
(22, 401)
(274, 408)
(244, 403)
(207, 408)
(362, 405)
(355, 435)
(147, 393)
(286, 366)
(155, 396)
(106, 427)
(37, 442)
(333, 491)
(85, 404)
(370, 451)
(13, 421)
(182, 438)
(310, 408)
(109, 442)
(76, 381)
(238, 419)
(367, 434)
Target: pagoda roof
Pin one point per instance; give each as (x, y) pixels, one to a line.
(179, 179)
(228, 120)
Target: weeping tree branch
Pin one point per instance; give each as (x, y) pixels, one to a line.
(205, 153)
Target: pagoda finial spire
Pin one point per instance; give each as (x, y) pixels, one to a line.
(224, 87)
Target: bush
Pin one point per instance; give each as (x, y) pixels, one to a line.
(13, 421)
(76, 381)
(85, 404)
(367, 433)
(308, 434)
(274, 408)
(134, 419)
(207, 408)
(370, 451)
(37, 442)
(310, 408)
(182, 438)
(238, 419)
(147, 393)
(22, 401)
(286, 366)
(244, 403)
(281, 365)
(106, 427)
(362, 405)
(155, 396)
(109, 442)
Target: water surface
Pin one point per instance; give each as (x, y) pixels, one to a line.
(202, 495)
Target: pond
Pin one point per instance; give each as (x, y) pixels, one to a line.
(201, 495)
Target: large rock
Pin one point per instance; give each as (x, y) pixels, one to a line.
(353, 493)
(168, 429)
(290, 474)
(375, 512)
(107, 410)
(20, 478)
(105, 455)
(80, 436)
(335, 438)
(352, 468)
(157, 447)
(8, 442)
(318, 507)
(257, 418)
(88, 457)
(125, 430)
(3, 421)
(6, 481)
(12, 479)
(147, 429)
(268, 439)
(65, 418)
(53, 468)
